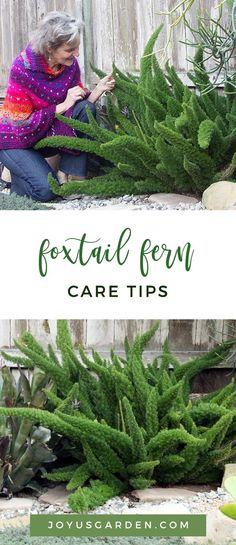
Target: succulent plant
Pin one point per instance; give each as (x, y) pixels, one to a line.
(229, 509)
(23, 447)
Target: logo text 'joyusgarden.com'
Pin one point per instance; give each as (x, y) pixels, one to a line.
(118, 525)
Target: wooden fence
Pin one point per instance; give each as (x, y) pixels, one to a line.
(186, 337)
(114, 30)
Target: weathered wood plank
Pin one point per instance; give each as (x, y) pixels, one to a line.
(177, 49)
(6, 48)
(225, 22)
(43, 7)
(44, 331)
(88, 45)
(78, 330)
(24, 20)
(17, 327)
(103, 34)
(100, 334)
(130, 328)
(180, 335)
(5, 333)
(145, 25)
(200, 333)
(125, 34)
(76, 8)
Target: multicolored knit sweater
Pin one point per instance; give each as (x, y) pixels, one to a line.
(34, 90)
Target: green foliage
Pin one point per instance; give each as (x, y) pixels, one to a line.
(129, 425)
(21, 536)
(160, 136)
(23, 446)
(15, 202)
(36, 356)
(216, 39)
(88, 497)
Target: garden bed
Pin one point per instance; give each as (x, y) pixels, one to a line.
(181, 500)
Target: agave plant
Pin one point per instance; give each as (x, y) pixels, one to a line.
(23, 446)
(22, 455)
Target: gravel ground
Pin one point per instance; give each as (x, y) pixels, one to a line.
(134, 202)
(202, 502)
(137, 202)
(14, 525)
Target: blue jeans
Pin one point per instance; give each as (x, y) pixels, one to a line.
(29, 169)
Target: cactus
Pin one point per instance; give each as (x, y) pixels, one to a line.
(128, 425)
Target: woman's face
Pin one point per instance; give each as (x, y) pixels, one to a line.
(64, 54)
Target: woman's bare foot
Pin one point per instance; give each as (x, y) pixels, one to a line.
(76, 178)
(62, 177)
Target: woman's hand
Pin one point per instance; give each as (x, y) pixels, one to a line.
(104, 85)
(73, 95)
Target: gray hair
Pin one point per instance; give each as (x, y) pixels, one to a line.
(55, 29)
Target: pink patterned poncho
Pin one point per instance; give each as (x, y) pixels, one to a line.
(33, 92)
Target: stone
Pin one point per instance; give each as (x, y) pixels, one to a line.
(162, 494)
(167, 508)
(16, 504)
(220, 530)
(198, 488)
(120, 206)
(220, 196)
(172, 199)
(230, 471)
(55, 496)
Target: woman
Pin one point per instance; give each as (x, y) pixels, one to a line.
(45, 81)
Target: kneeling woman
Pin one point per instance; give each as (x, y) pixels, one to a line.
(45, 81)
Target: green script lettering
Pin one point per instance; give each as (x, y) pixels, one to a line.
(156, 253)
(82, 250)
